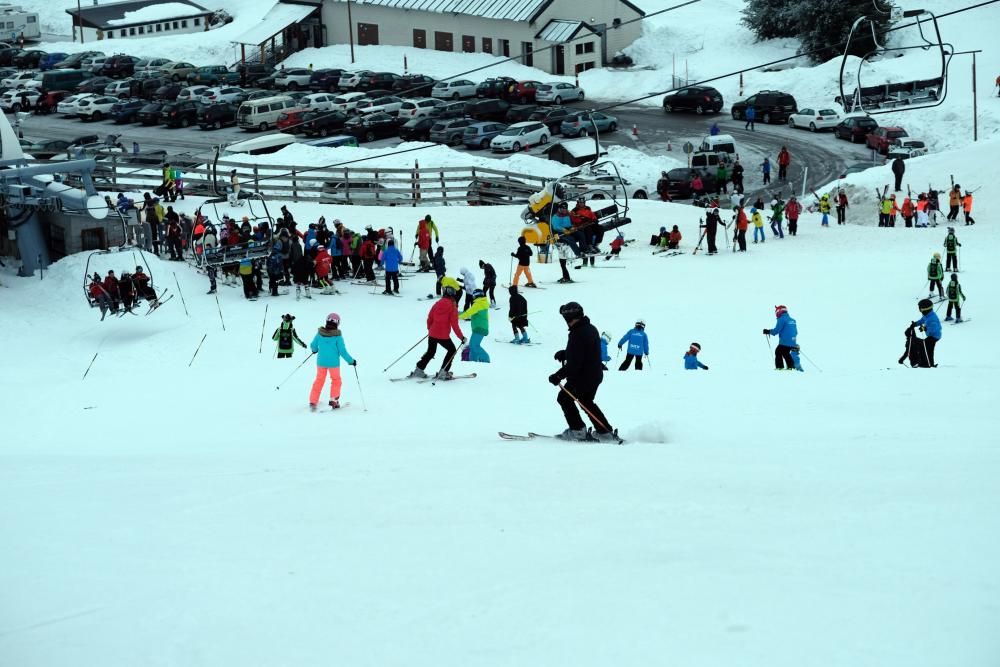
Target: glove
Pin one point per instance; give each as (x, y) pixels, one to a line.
(302, 345)
(554, 379)
(560, 356)
(354, 363)
(767, 332)
(463, 340)
(706, 368)
(513, 255)
(619, 347)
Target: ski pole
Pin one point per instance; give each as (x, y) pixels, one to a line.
(510, 278)
(596, 420)
(405, 353)
(182, 295)
(767, 337)
(260, 348)
(451, 355)
(217, 305)
(293, 372)
(88, 367)
(810, 360)
(196, 350)
(525, 315)
(360, 392)
(649, 361)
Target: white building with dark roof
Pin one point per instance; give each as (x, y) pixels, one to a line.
(583, 35)
(138, 18)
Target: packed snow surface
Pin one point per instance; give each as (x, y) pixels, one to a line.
(177, 512)
(157, 12)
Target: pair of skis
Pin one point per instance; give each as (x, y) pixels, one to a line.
(432, 379)
(591, 438)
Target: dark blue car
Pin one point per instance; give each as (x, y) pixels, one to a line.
(50, 60)
(126, 111)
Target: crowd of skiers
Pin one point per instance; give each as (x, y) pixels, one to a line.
(119, 294)
(923, 211)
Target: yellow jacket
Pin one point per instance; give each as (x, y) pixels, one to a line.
(758, 221)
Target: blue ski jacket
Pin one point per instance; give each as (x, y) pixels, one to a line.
(691, 362)
(638, 342)
(391, 257)
(932, 324)
(786, 330)
(329, 347)
(605, 357)
(561, 224)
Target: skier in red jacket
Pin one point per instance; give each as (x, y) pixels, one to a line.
(784, 159)
(441, 321)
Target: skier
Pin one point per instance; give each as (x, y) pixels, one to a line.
(931, 325)
(423, 242)
(967, 208)
(674, 240)
(142, 287)
(741, 228)
(898, 169)
(885, 211)
(663, 187)
(324, 264)
(750, 115)
(367, 253)
(581, 368)
(765, 168)
(721, 179)
(777, 210)
(712, 220)
(954, 201)
(439, 268)
(126, 291)
(442, 319)
(565, 255)
(518, 316)
(638, 346)
(328, 344)
(784, 159)
(469, 285)
(605, 357)
(562, 229)
(234, 189)
(792, 211)
(951, 246)
(100, 295)
(935, 274)
(955, 298)
(523, 255)
(758, 225)
(302, 273)
(691, 362)
(786, 355)
(275, 269)
(286, 336)
(489, 281)
(824, 208)
(841, 207)
(737, 177)
(479, 316)
(391, 257)
(907, 211)
(246, 275)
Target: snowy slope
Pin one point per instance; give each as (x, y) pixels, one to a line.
(161, 513)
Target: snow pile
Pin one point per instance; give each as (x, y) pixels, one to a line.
(157, 12)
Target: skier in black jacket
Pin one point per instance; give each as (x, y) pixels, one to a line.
(489, 281)
(518, 315)
(583, 372)
(711, 225)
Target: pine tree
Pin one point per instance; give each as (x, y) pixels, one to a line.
(770, 19)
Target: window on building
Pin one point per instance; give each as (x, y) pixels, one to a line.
(584, 47)
(142, 30)
(10, 25)
(527, 55)
(468, 44)
(367, 34)
(197, 21)
(159, 27)
(505, 48)
(166, 26)
(123, 33)
(175, 25)
(31, 19)
(443, 41)
(419, 38)
(131, 31)
(110, 34)
(487, 45)
(184, 23)
(583, 67)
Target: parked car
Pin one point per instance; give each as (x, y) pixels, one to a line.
(147, 87)
(49, 100)
(75, 60)
(318, 102)
(29, 59)
(371, 126)
(552, 117)
(814, 119)
(449, 131)
(267, 81)
(94, 85)
(349, 79)
(699, 99)
(582, 124)
(50, 60)
(557, 92)
(24, 99)
(126, 111)
(68, 106)
(413, 85)
(95, 107)
(680, 181)
(522, 112)
(191, 93)
(291, 121)
(448, 110)
(216, 116)
(361, 192)
(48, 148)
(323, 123)
(347, 102)
(150, 114)
(123, 89)
(118, 66)
(8, 54)
(455, 90)
(487, 109)
(325, 80)
(253, 73)
(855, 128)
(523, 92)
(257, 93)
(18, 80)
(381, 81)
(881, 137)
(168, 92)
(292, 78)
(213, 75)
(417, 107)
(151, 64)
(177, 71)
(602, 185)
(912, 146)
(770, 106)
(389, 105)
(94, 64)
(495, 86)
(230, 94)
(479, 135)
(417, 129)
(179, 114)
(520, 136)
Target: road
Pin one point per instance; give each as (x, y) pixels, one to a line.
(824, 157)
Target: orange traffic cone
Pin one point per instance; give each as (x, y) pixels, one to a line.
(635, 130)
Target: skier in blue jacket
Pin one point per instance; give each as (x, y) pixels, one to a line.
(605, 357)
(562, 226)
(391, 257)
(638, 346)
(931, 324)
(786, 355)
(328, 345)
(691, 362)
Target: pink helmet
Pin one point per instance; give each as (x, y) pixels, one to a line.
(333, 317)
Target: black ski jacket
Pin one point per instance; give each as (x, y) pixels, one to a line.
(518, 312)
(489, 275)
(582, 366)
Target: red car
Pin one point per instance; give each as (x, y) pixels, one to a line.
(522, 92)
(291, 120)
(882, 137)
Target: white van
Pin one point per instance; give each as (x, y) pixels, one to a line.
(720, 143)
(261, 114)
(269, 143)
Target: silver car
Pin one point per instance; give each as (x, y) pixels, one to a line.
(557, 92)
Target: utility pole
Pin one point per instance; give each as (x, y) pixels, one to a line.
(79, 20)
(350, 29)
(975, 105)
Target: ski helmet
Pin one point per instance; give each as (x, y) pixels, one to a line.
(333, 318)
(780, 310)
(288, 317)
(138, 269)
(571, 311)
(476, 293)
(954, 277)
(951, 230)
(696, 347)
(605, 336)
(937, 255)
(641, 323)
(448, 290)
(925, 306)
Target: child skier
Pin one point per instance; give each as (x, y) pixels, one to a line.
(605, 357)
(691, 362)
(824, 208)
(302, 274)
(275, 269)
(638, 346)
(758, 225)
(792, 211)
(777, 209)
(479, 315)
(518, 315)
(441, 321)
(440, 268)
(674, 242)
(523, 255)
(391, 257)
(955, 298)
(951, 246)
(328, 344)
(935, 274)
(931, 324)
(616, 246)
(489, 281)
(967, 208)
(786, 354)
(286, 335)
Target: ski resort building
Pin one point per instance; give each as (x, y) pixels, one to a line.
(582, 35)
(138, 18)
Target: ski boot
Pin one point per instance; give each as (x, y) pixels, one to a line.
(516, 341)
(949, 318)
(574, 435)
(211, 291)
(531, 285)
(417, 373)
(525, 339)
(958, 320)
(608, 436)
(298, 292)
(443, 375)
(334, 404)
(312, 407)
(308, 294)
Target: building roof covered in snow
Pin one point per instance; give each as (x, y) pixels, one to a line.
(561, 30)
(117, 14)
(511, 10)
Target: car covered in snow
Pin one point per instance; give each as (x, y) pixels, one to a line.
(814, 119)
(520, 136)
(557, 92)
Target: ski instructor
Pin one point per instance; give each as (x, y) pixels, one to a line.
(583, 372)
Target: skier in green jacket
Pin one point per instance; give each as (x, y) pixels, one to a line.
(955, 299)
(287, 337)
(935, 274)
